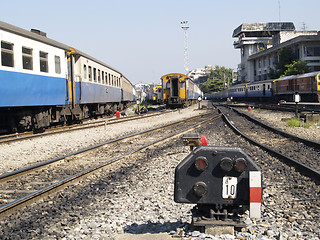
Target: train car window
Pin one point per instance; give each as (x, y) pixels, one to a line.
(85, 71)
(90, 73)
(57, 64)
(27, 62)
(106, 78)
(102, 77)
(6, 54)
(43, 61)
(99, 76)
(94, 74)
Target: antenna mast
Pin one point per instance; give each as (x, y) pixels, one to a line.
(279, 11)
(185, 26)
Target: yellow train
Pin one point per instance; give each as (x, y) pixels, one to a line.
(156, 94)
(179, 90)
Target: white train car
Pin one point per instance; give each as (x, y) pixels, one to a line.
(45, 82)
(34, 76)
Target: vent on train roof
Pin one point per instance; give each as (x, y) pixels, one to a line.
(39, 32)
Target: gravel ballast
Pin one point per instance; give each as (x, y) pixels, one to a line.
(137, 197)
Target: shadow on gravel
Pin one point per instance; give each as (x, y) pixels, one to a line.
(152, 228)
(58, 215)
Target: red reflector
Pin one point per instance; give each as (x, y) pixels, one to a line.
(203, 140)
(201, 163)
(240, 165)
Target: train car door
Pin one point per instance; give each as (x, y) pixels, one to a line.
(264, 89)
(174, 87)
(71, 80)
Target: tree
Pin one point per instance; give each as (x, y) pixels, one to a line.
(297, 67)
(212, 85)
(218, 79)
(286, 56)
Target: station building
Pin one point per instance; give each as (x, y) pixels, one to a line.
(260, 43)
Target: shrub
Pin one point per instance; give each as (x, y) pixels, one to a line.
(293, 122)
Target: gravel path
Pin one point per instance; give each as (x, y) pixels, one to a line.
(275, 118)
(137, 196)
(27, 152)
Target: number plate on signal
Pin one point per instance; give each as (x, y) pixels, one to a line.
(229, 187)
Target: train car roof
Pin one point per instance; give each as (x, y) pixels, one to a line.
(156, 87)
(32, 35)
(311, 74)
(36, 36)
(264, 81)
(238, 85)
(175, 74)
(78, 52)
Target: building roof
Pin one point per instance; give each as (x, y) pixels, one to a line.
(263, 29)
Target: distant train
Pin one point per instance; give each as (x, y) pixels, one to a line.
(156, 94)
(179, 90)
(306, 85)
(44, 82)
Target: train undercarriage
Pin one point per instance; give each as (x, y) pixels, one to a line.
(19, 119)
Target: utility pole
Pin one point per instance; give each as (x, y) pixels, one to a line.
(185, 26)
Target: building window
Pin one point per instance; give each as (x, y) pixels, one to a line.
(85, 71)
(7, 54)
(27, 58)
(90, 73)
(57, 64)
(313, 51)
(43, 61)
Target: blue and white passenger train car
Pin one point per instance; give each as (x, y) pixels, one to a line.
(33, 70)
(98, 83)
(261, 90)
(43, 82)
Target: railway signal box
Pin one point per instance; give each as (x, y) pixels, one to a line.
(222, 181)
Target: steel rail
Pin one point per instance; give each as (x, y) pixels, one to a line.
(52, 131)
(32, 197)
(19, 172)
(276, 130)
(300, 166)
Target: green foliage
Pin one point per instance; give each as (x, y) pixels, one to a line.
(218, 79)
(293, 122)
(212, 85)
(296, 67)
(286, 56)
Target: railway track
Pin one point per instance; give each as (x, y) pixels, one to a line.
(24, 186)
(284, 107)
(301, 153)
(62, 129)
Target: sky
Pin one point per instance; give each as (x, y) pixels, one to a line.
(144, 40)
